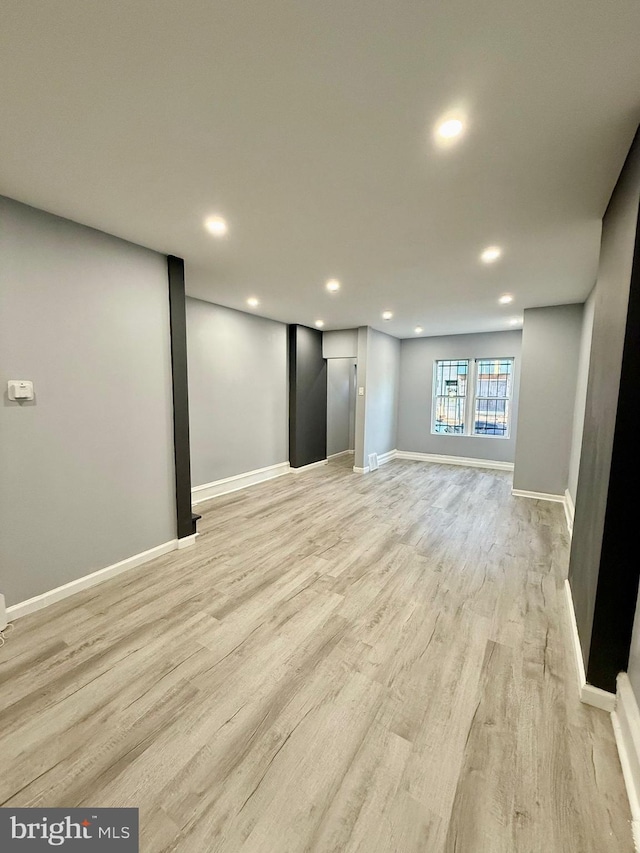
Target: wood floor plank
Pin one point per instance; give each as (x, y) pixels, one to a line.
(376, 664)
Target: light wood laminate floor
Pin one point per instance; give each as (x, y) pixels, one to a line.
(340, 663)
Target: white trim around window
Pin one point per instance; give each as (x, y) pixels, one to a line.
(471, 396)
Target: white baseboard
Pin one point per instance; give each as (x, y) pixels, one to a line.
(186, 541)
(467, 461)
(3, 613)
(375, 461)
(602, 699)
(383, 458)
(87, 581)
(341, 453)
(589, 694)
(575, 637)
(569, 511)
(309, 466)
(237, 482)
(626, 726)
(537, 496)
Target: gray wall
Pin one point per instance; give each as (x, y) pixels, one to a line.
(634, 655)
(87, 469)
(416, 389)
(339, 348)
(340, 404)
(361, 413)
(342, 343)
(581, 394)
(549, 372)
(381, 393)
(237, 391)
(610, 317)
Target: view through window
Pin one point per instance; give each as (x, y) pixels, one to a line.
(473, 396)
(451, 396)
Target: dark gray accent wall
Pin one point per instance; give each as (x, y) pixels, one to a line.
(186, 521)
(87, 468)
(619, 565)
(548, 376)
(594, 574)
(307, 397)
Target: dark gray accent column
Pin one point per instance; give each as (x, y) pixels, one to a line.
(604, 567)
(307, 397)
(186, 521)
(619, 571)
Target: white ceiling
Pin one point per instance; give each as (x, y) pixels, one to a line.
(308, 127)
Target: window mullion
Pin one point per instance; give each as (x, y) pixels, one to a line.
(471, 397)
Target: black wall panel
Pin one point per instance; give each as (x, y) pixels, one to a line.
(186, 521)
(603, 571)
(307, 397)
(619, 569)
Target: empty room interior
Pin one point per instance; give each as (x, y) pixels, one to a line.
(320, 356)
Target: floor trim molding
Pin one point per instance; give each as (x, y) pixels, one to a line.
(341, 453)
(237, 482)
(598, 698)
(589, 694)
(308, 467)
(38, 602)
(468, 462)
(383, 458)
(537, 496)
(454, 460)
(626, 727)
(187, 541)
(569, 510)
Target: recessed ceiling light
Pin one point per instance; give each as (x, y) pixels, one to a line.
(505, 299)
(387, 315)
(216, 225)
(515, 321)
(450, 128)
(491, 254)
(253, 302)
(418, 330)
(333, 285)
(319, 323)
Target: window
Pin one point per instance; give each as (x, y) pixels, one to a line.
(493, 396)
(473, 397)
(450, 396)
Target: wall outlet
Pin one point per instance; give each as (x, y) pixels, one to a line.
(20, 390)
